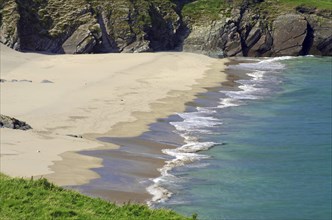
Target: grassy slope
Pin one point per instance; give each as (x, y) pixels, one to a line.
(319, 4)
(38, 199)
(205, 10)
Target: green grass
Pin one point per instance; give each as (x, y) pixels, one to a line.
(39, 199)
(207, 10)
(319, 4)
(204, 10)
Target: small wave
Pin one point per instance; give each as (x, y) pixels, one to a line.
(242, 96)
(247, 91)
(160, 194)
(267, 64)
(279, 58)
(193, 147)
(183, 155)
(195, 121)
(250, 89)
(206, 110)
(228, 102)
(257, 75)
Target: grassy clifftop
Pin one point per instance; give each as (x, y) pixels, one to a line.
(203, 10)
(39, 199)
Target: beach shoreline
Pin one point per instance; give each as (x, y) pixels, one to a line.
(142, 156)
(90, 96)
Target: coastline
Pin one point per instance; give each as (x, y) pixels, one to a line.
(92, 96)
(140, 158)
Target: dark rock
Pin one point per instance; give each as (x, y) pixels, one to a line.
(107, 43)
(25, 80)
(305, 10)
(325, 46)
(83, 40)
(162, 32)
(321, 36)
(137, 47)
(13, 123)
(254, 36)
(74, 136)
(289, 32)
(3, 80)
(262, 47)
(46, 81)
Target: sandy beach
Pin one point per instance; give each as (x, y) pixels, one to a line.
(91, 96)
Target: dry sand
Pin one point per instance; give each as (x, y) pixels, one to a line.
(92, 96)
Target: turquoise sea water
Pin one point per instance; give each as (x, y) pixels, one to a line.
(264, 152)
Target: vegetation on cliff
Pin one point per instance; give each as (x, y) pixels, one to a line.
(204, 26)
(212, 9)
(39, 199)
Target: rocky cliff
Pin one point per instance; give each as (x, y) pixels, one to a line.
(214, 27)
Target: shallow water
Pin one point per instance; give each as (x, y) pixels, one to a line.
(262, 151)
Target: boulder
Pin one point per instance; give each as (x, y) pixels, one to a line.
(289, 33)
(137, 47)
(83, 39)
(13, 123)
(321, 35)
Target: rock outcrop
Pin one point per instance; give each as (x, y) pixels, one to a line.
(238, 28)
(13, 123)
(288, 35)
(247, 30)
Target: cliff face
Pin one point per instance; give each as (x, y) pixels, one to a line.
(230, 28)
(261, 29)
(86, 26)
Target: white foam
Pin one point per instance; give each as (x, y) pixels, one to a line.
(228, 102)
(159, 193)
(247, 91)
(193, 147)
(257, 75)
(183, 155)
(279, 58)
(207, 110)
(267, 64)
(195, 121)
